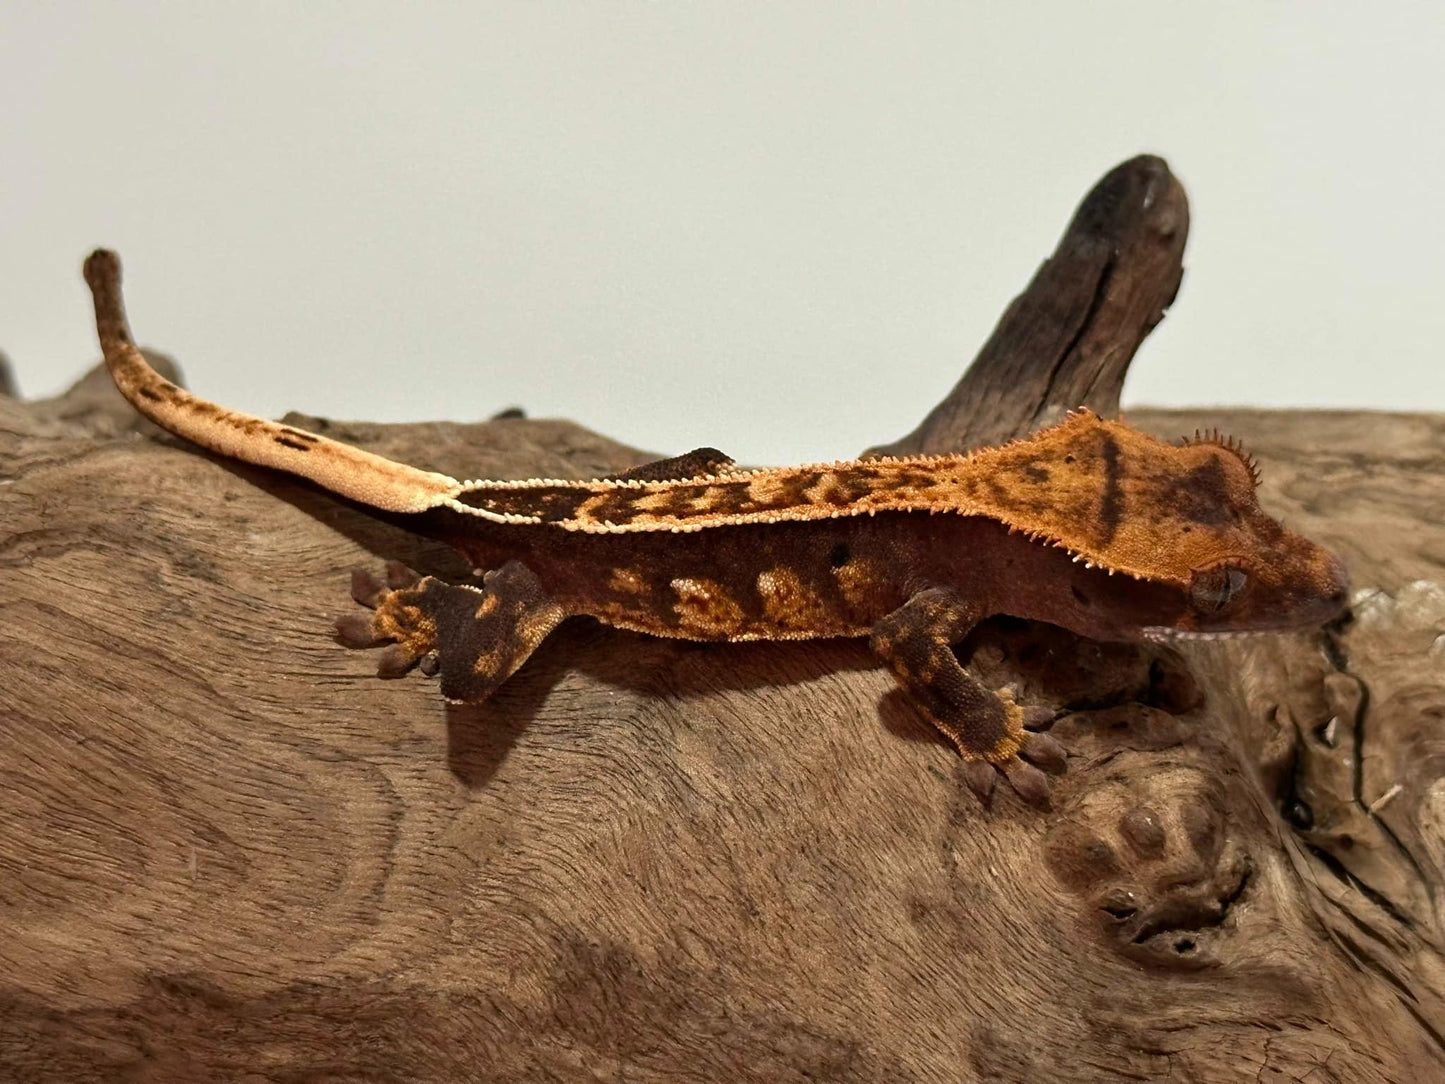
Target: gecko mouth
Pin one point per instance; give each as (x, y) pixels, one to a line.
(1158, 633)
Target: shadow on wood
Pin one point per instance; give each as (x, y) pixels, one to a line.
(225, 849)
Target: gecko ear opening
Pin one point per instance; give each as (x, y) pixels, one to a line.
(1217, 588)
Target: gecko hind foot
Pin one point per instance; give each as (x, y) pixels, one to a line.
(474, 638)
(398, 619)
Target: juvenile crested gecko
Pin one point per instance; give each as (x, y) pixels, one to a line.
(1090, 525)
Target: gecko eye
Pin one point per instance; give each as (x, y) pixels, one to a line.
(1213, 590)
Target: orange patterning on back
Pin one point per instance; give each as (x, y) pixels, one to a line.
(1107, 493)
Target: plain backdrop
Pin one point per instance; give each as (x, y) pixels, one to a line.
(780, 228)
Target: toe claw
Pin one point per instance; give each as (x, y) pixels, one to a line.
(399, 576)
(396, 661)
(1028, 783)
(366, 588)
(980, 776)
(354, 630)
(1048, 753)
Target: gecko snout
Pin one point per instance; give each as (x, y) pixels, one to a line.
(1334, 590)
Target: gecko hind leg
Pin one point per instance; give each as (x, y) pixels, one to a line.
(476, 638)
(987, 728)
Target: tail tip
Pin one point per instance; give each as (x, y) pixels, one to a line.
(102, 268)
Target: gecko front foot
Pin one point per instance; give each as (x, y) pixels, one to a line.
(1027, 781)
(987, 728)
(476, 638)
(993, 741)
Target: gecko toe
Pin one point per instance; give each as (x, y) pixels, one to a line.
(1030, 784)
(430, 664)
(396, 661)
(367, 588)
(1038, 715)
(1046, 752)
(399, 576)
(980, 776)
(356, 630)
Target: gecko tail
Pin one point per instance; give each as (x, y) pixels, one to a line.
(341, 468)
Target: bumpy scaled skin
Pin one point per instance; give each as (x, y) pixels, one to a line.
(1089, 525)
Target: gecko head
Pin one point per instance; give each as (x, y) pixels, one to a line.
(1307, 586)
(1296, 584)
(1203, 556)
(1247, 571)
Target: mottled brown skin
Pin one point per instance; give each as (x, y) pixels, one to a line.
(1089, 525)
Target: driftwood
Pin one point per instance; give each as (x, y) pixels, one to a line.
(229, 852)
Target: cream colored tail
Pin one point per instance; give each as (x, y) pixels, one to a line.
(370, 479)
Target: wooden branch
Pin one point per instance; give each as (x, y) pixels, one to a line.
(7, 378)
(1067, 340)
(227, 851)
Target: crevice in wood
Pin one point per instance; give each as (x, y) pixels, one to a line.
(1047, 410)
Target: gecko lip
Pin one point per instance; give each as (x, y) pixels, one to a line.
(1161, 633)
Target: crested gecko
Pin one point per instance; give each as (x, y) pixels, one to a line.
(1090, 525)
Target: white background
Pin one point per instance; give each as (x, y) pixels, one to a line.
(781, 229)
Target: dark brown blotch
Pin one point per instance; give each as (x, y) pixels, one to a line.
(1001, 495)
(1111, 506)
(620, 505)
(549, 504)
(208, 409)
(676, 502)
(1202, 495)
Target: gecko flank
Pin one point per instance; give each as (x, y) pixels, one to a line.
(1089, 525)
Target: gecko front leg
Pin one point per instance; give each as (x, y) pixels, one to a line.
(916, 641)
(475, 638)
